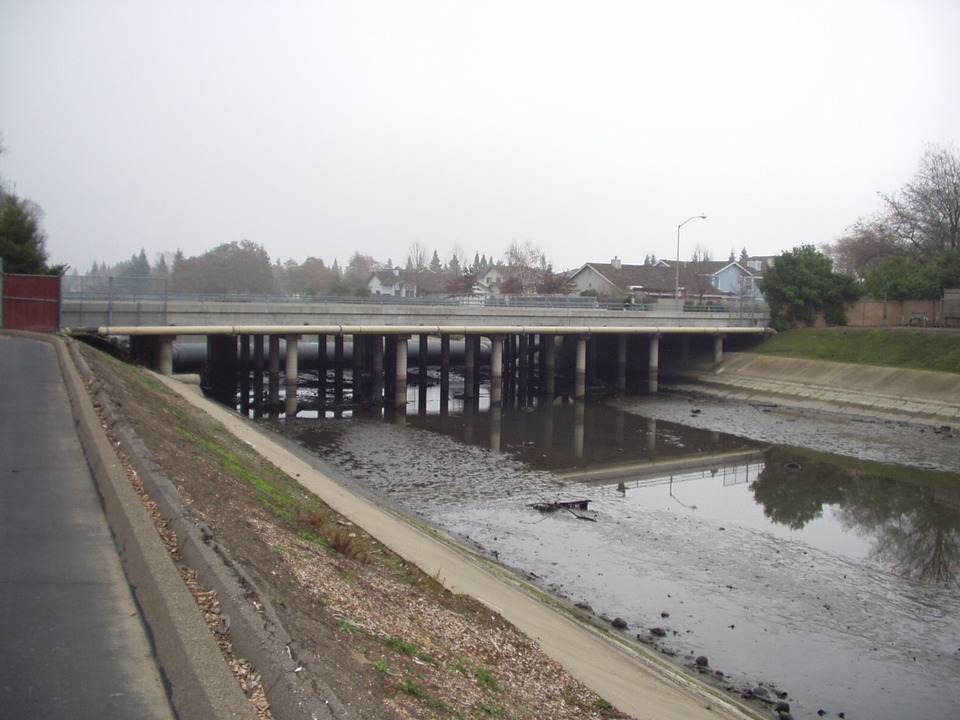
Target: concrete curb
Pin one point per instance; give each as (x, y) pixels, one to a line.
(255, 630)
(200, 684)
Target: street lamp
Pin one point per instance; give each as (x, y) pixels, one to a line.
(676, 288)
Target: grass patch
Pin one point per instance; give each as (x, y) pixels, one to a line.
(349, 627)
(412, 688)
(493, 711)
(909, 348)
(486, 678)
(404, 647)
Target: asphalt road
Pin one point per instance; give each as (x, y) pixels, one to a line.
(72, 643)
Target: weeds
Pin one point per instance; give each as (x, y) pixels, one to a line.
(404, 647)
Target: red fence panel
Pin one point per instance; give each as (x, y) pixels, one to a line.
(31, 302)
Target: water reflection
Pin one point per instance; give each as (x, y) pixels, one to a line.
(914, 519)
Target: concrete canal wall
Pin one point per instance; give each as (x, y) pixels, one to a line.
(863, 390)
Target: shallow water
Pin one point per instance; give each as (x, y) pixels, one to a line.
(831, 578)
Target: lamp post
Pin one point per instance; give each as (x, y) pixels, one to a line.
(676, 288)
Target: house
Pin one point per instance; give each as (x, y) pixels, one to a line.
(497, 280)
(397, 282)
(700, 281)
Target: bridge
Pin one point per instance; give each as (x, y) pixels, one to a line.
(557, 346)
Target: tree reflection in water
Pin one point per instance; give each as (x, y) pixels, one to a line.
(913, 517)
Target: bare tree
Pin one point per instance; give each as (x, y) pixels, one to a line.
(418, 256)
(863, 246)
(528, 262)
(925, 214)
(700, 263)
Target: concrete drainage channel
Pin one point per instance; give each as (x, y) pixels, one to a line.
(200, 682)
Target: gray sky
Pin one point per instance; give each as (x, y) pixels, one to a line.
(590, 129)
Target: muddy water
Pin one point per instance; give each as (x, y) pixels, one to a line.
(831, 577)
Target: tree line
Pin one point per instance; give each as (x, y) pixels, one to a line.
(908, 250)
(244, 267)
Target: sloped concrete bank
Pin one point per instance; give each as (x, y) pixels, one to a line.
(873, 392)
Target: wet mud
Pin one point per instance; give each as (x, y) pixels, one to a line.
(769, 551)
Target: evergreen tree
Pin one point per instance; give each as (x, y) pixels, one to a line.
(21, 240)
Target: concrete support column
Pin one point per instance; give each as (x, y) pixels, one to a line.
(523, 357)
(273, 372)
(245, 374)
(548, 346)
(592, 358)
(338, 369)
(580, 375)
(358, 365)
(654, 365)
(717, 349)
(165, 355)
(400, 392)
(469, 365)
(292, 371)
(376, 370)
(444, 372)
(423, 350)
(322, 369)
(496, 370)
(621, 363)
(257, 374)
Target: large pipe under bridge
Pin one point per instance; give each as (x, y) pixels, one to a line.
(520, 356)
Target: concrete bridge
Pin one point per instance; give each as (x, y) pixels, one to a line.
(552, 349)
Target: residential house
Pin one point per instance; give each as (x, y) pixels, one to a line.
(409, 283)
(700, 281)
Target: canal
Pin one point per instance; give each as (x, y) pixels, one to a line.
(804, 555)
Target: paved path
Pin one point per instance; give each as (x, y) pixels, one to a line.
(72, 644)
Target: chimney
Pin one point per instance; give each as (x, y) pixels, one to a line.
(616, 263)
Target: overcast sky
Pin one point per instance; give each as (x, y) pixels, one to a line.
(590, 129)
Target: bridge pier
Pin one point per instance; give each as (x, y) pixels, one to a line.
(496, 370)
(338, 355)
(291, 372)
(622, 363)
(422, 380)
(469, 365)
(444, 372)
(273, 372)
(717, 348)
(245, 374)
(376, 370)
(523, 367)
(257, 373)
(548, 346)
(400, 382)
(359, 364)
(580, 371)
(653, 365)
(321, 370)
